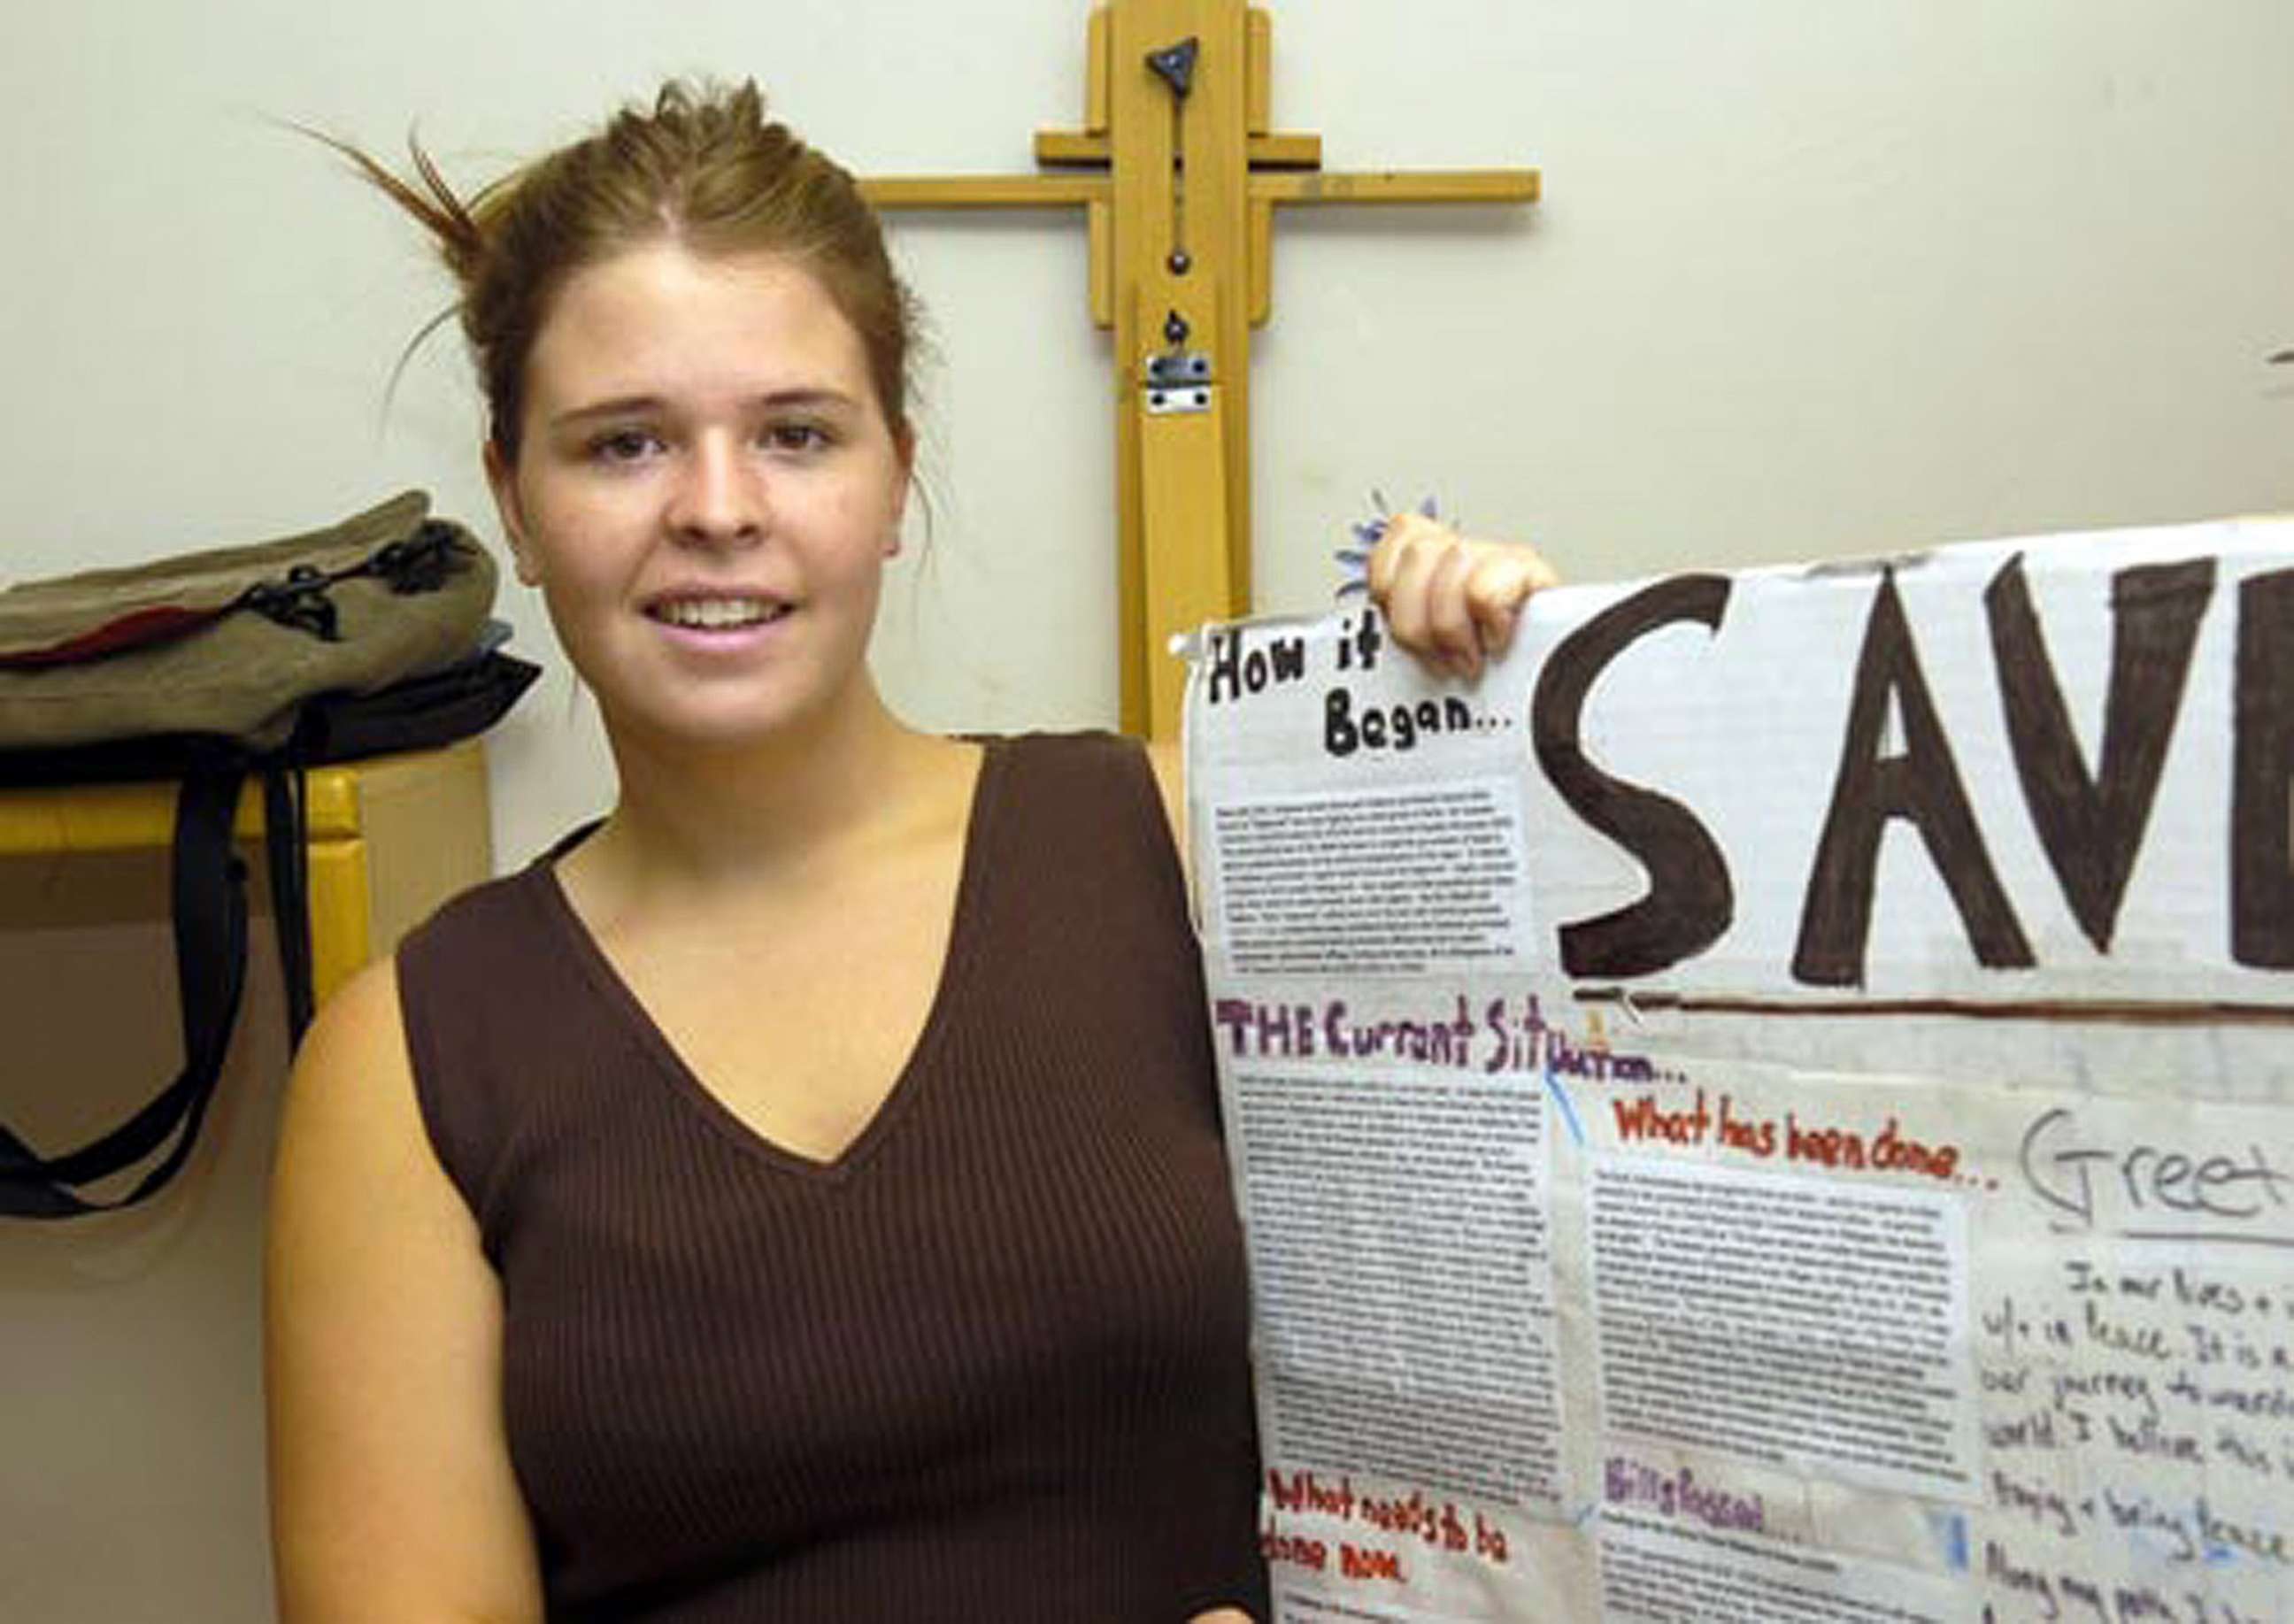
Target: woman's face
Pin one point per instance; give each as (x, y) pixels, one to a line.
(706, 492)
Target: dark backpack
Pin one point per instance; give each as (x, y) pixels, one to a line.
(208, 669)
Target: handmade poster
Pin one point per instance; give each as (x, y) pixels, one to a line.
(1777, 1101)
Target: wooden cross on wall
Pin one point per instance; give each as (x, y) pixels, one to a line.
(1178, 173)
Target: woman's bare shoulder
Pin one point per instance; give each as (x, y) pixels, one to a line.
(354, 1159)
(391, 1488)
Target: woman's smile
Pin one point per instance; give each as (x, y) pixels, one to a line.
(721, 624)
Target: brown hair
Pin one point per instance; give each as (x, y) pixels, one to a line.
(702, 167)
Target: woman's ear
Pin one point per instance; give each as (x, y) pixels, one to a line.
(903, 447)
(502, 478)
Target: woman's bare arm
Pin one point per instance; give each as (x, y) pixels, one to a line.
(392, 1496)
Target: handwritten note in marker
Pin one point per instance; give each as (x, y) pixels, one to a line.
(1777, 1101)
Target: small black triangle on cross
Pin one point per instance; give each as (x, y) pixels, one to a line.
(1178, 175)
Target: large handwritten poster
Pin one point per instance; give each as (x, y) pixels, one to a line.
(1777, 1101)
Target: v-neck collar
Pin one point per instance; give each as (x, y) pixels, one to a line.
(638, 1023)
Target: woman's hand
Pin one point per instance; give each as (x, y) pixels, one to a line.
(1450, 599)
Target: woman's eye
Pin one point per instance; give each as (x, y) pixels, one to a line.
(796, 437)
(623, 445)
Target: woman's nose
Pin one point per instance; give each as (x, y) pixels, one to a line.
(720, 498)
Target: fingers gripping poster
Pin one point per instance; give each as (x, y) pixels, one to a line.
(1777, 1101)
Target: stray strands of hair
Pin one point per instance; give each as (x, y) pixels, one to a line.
(702, 166)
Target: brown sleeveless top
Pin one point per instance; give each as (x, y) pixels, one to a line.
(988, 1364)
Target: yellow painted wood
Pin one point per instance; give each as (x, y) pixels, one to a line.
(333, 796)
(1262, 259)
(58, 820)
(1100, 230)
(1183, 492)
(1288, 149)
(1181, 485)
(342, 913)
(1258, 51)
(983, 191)
(1403, 186)
(1203, 208)
(1140, 165)
(1130, 551)
(1275, 185)
(1099, 223)
(1285, 150)
(1095, 73)
(1217, 184)
(389, 840)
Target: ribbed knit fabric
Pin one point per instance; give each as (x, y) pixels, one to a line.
(990, 1364)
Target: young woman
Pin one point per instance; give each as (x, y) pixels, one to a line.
(801, 1198)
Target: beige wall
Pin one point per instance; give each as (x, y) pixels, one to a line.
(131, 1490)
(1811, 279)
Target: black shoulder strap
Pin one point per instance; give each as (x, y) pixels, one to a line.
(287, 851)
(210, 897)
(209, 883)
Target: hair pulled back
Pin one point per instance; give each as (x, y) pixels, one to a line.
(702, 167)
